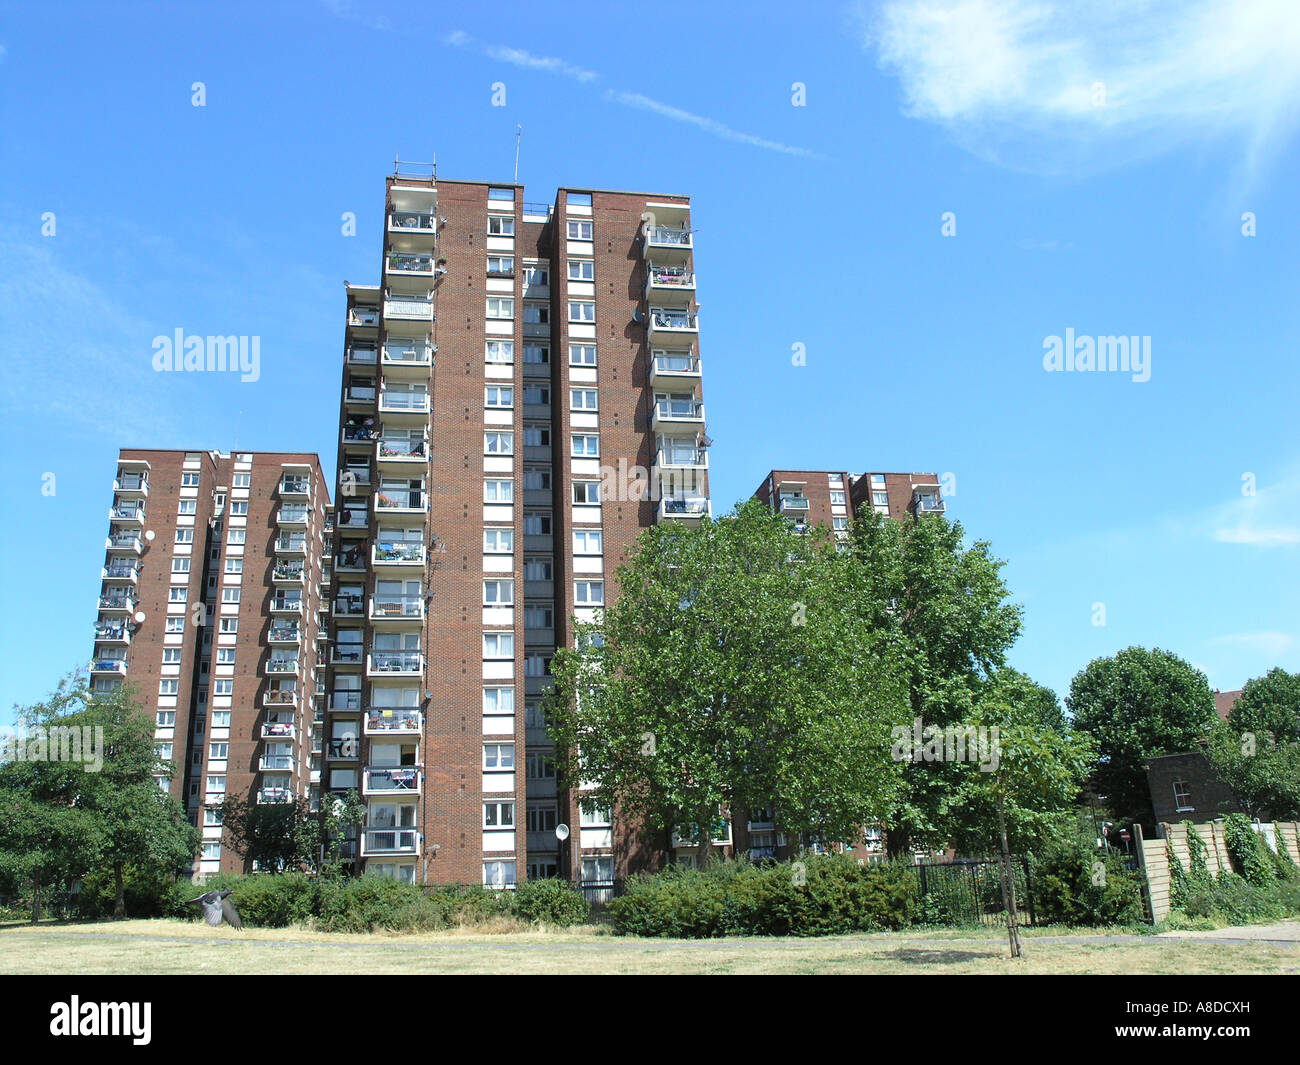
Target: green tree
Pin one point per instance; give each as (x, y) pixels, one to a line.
(44, 843)
(1269, 704)
(1138, 704)
(738, 668)
(944, 607)
(1263, 773)
(280, 836)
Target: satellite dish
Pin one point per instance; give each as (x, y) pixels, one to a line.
(149, 535)
(561, 832)
(139, 617)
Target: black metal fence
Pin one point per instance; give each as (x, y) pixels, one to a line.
(969, 891)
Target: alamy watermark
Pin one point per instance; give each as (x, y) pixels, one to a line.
(195, 354)
(950, 743)
(1085, 354)
(60, 743)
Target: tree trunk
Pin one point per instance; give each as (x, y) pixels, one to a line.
(119, 894)
(36, 899)
(896, 842)
(704, 850)
(1008, 884)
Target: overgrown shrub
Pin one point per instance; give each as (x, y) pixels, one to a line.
(374, 903)
(550, 902)
(1076, 885)
(1247, 850)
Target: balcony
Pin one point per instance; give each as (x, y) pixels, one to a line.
(397, 556)
(391, 501)
(675, 369)
(129, 542)
(344, 749)
(927, 501)
(395, 664)
(360, 430)
(398, 453)
(401, 264)
(112, 632)
(674, 284)
(291, 545)
(349, 605)
(687, 510)
(111, 666)
(279, 730)
(352, 558)
(681, 458)
(664, 244)
(121, 570)
(289, 573)
(284, 633)
(282, 665)
(292, 514)
(117, 603)
(393, 721)
(363, 317)
(669, 413)
(359, 395)
(281, 696)
(127, 513)
(274, 794)
(375, 841)
(284, 604)
(296, 488)
(408, 308)
(403, 404)
(387, 780)
(792, 504)
(345, 702)
(131, 486)
(667, 324)
(354, 518)
(408, 358)
(347, 655)
(396, 607)
(276, 763)
(412, 222)
(361, 356)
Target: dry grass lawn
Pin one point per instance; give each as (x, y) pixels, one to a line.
(179, 947)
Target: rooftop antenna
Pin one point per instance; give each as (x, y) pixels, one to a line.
(519, 132)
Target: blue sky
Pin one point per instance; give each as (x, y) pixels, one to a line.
(1098, 167)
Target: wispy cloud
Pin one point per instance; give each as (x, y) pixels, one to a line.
(1032, 81)
(1269, 518)
(351, 11)
(554, 65)
(1272, 644)
(709, 125)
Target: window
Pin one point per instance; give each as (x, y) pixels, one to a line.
(175, 625)
(498, 645)
(177, 595)
(586, 491)
(535, 395)
(180, 565)
(237, 536)
(597, 870)
(880, 499)
(498, 756)
(230, 595)
(229, 625)
(166, 718)
(537, 569)
(500, 351)
(499, 874)
(499, 592)
(582, 399)
(242, 480)
(185, 536)
(539, 617)
(212, 817)
(1182, 795)
(542, 818)
(536, 664)
(580, 231)
(234, 565)
(502, 491)
(877, 480)
(188, 506)
(597, 817)
(499, 443)
(840, 524)
(579, 199)
(221, 719)
(501, 265)
(582, 270)
(582, 354)
(537, 479)
(537, 435)
(498, 815)
(225, 656)
(219, 751)
(585, 444)
(589, 593)
(499, 541)
(501, 225)
(498, 700)
(500, 307)
(171, 655)
(223, 687)
(239, 506)
(540, 766)
(537, 523)
(536, 274)
(587, 543)
(535, 716)
(582, 311)
(837, 499)
(189, 480)
(169, 686)
(536, 354)
(496, 396)
(212, 852)
(537, 314)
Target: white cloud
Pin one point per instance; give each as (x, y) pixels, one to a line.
(520, 58)
(1272, 644)
(352, 12)
(1258, 537)
(1016, 79)
(1269, 518)
(645, 103)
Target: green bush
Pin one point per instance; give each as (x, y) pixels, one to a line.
(819, 895)
(1075, 885)
(373, 903)
(550, 902)
(1247, 850)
